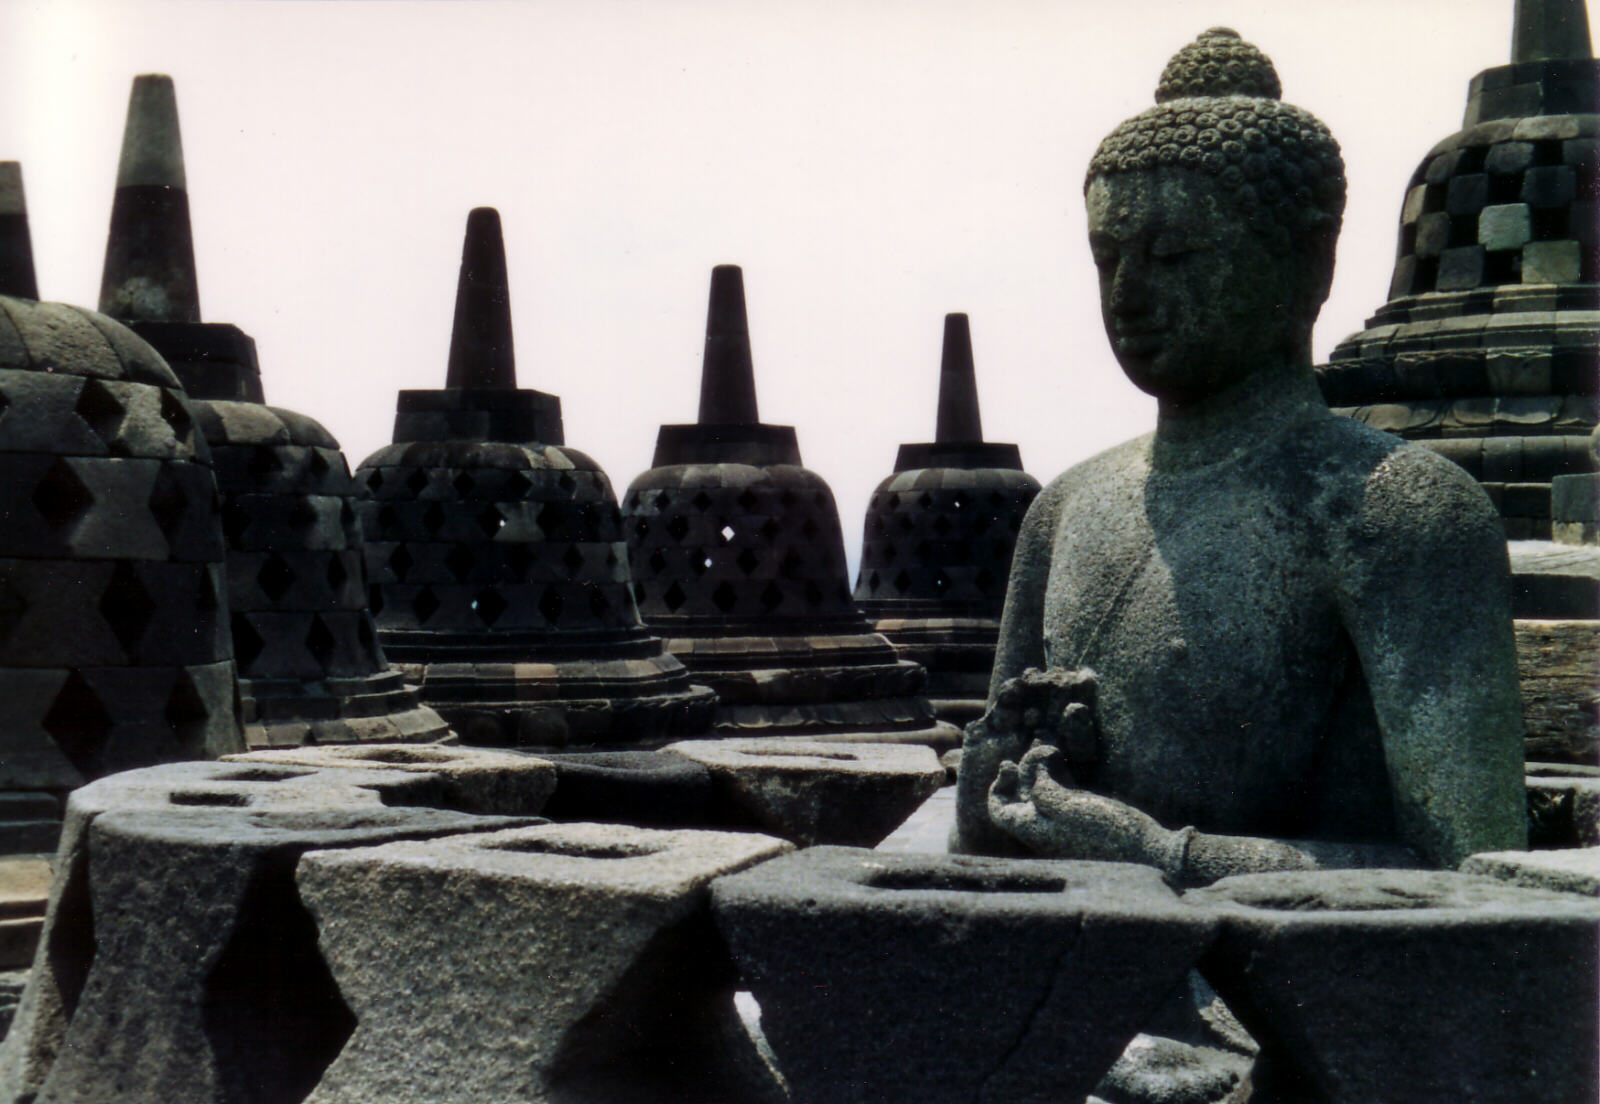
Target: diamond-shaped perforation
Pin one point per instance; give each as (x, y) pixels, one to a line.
(572, 560)
(489, 605)
(791, 565)
(566, 483)
(127, 607)
(168, 504)
(78, 722)
(464, 484)
(809, 529)
(338, 574)
(176, 414)
(373, 478)
(771, 597)
(769, 530)
(12, 608)
(61, 497)
(984, 581)
(303, 516)
(319, 465)
(417, 481)
(520, 559)
(321, 642)
(275, 577)
(264, 463)
(491, 521)
(678, 527)
(389, 522)
(673, 597)
(701, 502)
(460, 561)
(433, 518)
(401, 562)
(551, 515)
(516, 488)
(247, 643)
(102, 410)
(748, 561)
(663, 500)
(188, 714)
(748, 501)
(599, 604)
(551, 604)
(725, 597)
(425, 604)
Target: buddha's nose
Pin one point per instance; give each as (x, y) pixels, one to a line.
(1130, 288)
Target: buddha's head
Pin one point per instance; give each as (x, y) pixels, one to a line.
(1213, 218)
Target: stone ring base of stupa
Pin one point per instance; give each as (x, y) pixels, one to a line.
(615, 703)
(376, 708)
(957, 653)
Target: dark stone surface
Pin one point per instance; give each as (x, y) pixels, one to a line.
(948, 978)
(16, 243)
(1486, 348)
(495, 555)
(1297, 628)
(114, 649)
(621, 991)
(1419, 986)
(656, 789)
(812, 791)
(738, 559)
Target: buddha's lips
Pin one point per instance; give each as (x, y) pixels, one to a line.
(1138, 342)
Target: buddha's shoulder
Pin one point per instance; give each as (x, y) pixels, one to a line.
(1119, 470)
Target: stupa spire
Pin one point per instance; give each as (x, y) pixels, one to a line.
(1550, 30)
(150, 272)
(959, 422)
(727, 375)
(482, 357)
(16, 245)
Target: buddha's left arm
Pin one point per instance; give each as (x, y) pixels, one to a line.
(1424, 589)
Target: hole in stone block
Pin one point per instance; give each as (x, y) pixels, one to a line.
(843, 756)
(395, 755)
(1347, 898)
(260, 774)
(209, 799)
(967, 881)
(578, 849)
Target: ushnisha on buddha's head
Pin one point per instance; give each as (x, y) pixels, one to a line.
(1213, 218)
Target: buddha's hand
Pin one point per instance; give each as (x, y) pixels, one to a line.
(1053, 708)
(1036, 803)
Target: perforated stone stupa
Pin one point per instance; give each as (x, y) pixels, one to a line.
(496, 556)
(739, 561)
(939, 535)
(114, 649)
(310, 668)
(1486, 350)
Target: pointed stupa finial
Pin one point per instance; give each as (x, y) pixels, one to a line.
(727, 375)
(16, 245)
(958, 422)
(1550, 30)
(150, 274)
(482, 357)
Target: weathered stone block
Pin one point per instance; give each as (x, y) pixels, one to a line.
(657, 789)
(949, 978)
(564, 962)
(1570, 870)
(811, 791)
(1415, 986)
(474, 780)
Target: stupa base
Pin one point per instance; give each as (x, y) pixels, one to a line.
(376, 708)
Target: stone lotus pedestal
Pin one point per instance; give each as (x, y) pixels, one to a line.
(938, 979)
(176, 961)
(560, 963)
(1414, 986)
(814, 791)
(940, 531)
(498, 571)
(310, 670)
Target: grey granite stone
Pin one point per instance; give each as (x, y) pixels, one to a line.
(657, 789)
(559, 963)
(1415, 986)
(952, 978)
(475, 780)
(1568, 870)
(813, 791)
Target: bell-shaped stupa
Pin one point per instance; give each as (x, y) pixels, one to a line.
(114, 649)
(496, 554)
(739, 561)
(940, 531)
(1486, 349)
(310, 669)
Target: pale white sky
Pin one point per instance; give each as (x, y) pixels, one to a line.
(871, 164)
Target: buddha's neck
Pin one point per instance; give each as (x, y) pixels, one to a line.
(1234, 421)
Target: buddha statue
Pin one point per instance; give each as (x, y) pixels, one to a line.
(1262, 637)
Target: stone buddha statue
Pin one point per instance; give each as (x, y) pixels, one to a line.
(1263, 636)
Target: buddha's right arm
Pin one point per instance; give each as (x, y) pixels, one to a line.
(1020, 646)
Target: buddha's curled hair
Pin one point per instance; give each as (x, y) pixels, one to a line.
(1218, 112)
